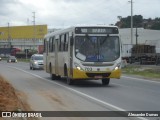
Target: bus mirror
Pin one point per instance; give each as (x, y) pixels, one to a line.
(71, 41)
(107, 36)
(87, 36)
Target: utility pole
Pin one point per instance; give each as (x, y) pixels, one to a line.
(9, 37)
(131, 21)
(34, 23)
(136, 36)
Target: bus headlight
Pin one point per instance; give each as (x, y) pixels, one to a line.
(78, 67)
(118, 66)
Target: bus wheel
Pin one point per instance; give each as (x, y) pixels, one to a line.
(69, 81)
(53, 76)
(105, 81)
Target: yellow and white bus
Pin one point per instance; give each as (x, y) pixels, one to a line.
(83, 53)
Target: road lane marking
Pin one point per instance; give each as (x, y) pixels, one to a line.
(78, 92)
(140, 79)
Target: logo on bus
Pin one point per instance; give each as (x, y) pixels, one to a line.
(88, 69)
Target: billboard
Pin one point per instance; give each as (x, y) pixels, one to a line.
(23, 32)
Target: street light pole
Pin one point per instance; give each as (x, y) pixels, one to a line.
(9, 37)
(131, 21)
(34, 23)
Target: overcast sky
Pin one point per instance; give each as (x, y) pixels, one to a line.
(64, 13)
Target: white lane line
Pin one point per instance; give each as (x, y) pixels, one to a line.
(76, 91)
(140, 79)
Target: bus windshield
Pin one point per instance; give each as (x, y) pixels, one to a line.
(97, 48)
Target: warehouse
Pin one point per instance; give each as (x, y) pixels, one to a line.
(22, 37)
(144, 35)
(148, 44)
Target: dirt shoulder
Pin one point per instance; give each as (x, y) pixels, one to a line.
(11, 99)
(8, 98)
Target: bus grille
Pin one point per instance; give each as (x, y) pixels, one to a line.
(98, 74)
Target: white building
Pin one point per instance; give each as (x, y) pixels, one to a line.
(144, 35)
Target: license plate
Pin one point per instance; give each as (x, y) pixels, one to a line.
(97, 76)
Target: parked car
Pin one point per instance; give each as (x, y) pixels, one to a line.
(12, 59)
(36, 62)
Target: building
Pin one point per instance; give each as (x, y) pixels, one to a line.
(144, 35)
(22, 37)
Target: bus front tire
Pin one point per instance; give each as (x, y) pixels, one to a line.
(53, 76)
(105, 81)
(69, 81)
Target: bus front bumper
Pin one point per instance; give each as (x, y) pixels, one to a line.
(77, 74)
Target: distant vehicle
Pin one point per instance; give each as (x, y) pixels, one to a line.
(12, 59)
(126, 51)
(36, 62)
(14, 51)
(148, 53)
(144, 54)
(0, 58)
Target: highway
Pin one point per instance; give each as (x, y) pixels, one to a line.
(44, 94)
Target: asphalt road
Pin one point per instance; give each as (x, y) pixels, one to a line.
(44, 94)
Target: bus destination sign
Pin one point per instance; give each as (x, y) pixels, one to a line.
(97, 30)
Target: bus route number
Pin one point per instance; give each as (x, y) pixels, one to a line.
(88, 69)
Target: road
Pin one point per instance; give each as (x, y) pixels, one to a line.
(44, 94)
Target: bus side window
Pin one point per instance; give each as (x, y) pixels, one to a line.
(53, 44)
(60, 43)
(50, 45)
(64, 44)
(66, 37)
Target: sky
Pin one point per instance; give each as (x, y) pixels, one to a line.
(66, 13)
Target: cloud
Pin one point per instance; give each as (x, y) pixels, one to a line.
(60, 13)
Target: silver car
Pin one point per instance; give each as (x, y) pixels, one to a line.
(36, 62)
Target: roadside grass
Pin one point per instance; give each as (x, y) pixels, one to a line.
(23, 60)
(19, 59)
(142, 71)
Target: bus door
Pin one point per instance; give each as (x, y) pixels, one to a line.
(71, 56)
(46, 58)
(56, 56)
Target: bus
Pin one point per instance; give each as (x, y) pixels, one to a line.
(83, 53)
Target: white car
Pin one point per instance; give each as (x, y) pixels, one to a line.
(36, 62)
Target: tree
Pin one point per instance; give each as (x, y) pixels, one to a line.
(138, 21)
(119, 17)
(156, 26)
